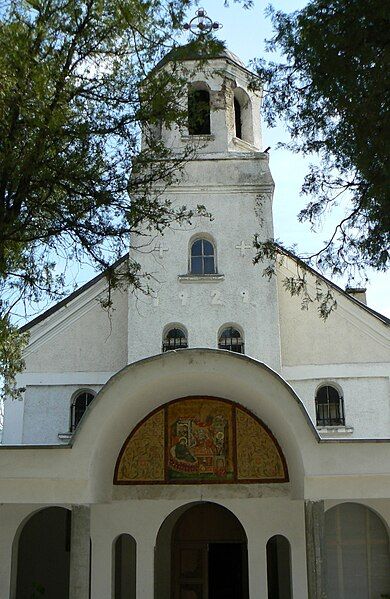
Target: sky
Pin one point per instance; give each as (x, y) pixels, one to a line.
(245, 32)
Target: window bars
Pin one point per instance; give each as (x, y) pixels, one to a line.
(174, 339)
(329, 407)
(231, 340)
(78, 407)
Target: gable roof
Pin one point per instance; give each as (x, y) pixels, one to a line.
(123, 259)
(333, 285)
(69, 298)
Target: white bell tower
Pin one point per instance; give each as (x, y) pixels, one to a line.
(204, 282)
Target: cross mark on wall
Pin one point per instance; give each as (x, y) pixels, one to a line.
(160, 249)
(243, 247)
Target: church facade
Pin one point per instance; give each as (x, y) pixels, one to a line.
(210, 440)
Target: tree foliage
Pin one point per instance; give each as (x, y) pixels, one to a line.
(77, 86)
(332, 91)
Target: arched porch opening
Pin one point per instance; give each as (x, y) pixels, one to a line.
(201, 551)
(124, 567)
(357, 553)
(279, 568)
(41, 555)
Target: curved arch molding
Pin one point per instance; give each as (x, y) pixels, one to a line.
(198, 440)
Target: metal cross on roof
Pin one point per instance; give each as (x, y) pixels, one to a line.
(201, 23)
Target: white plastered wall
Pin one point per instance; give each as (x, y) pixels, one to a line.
(350, 350)
(350, 335)
(366, 402)
(77, 347)
(47, 412)
(232, 180)
(82, 336)
(238, 194)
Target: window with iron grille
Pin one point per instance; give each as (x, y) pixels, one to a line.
(232, 340)
(202, 258)
(175, 339)
(329, 407)
(79, 406)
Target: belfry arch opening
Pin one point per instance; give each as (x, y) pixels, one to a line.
(238, 118)
(199, 122)
(201, 551)
(243, 118)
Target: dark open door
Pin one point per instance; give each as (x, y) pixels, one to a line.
(209, 555)
(225, 567)
(209, 571)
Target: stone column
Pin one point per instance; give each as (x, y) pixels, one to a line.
(79, 552)
(314, 521)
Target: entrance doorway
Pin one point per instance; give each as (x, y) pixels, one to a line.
(209, 555)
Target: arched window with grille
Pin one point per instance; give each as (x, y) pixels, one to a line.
(79, 405)
(231, 339)
(329, 407)
(198, 111)
(175, 338)
(202, 257)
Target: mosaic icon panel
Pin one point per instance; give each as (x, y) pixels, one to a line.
(200, 440)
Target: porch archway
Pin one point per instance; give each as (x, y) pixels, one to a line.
(357, 553)
(201, 551)
(42, 555)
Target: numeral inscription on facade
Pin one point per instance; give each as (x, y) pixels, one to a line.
(245, 296)
(183, 297)
(216, 298)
